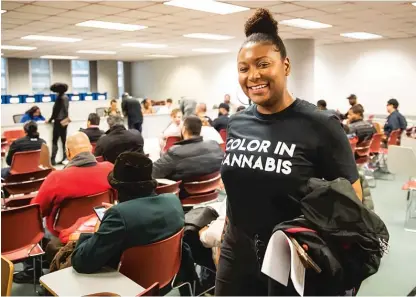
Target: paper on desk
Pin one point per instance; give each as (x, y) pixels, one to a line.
(282, 259)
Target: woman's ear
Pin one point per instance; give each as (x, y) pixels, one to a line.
(286, 62)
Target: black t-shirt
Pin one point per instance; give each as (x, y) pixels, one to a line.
(270, 158)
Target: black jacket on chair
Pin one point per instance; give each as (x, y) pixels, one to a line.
(136, 222)
(132, 109)
(93, 133)
(221, 123)
(118, 140)
(188, 159)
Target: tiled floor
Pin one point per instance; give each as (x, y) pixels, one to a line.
(397, 272)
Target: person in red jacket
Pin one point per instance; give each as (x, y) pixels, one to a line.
(82, 176)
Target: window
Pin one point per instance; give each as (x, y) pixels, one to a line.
(120, 80)
(80, 76)
(41, 76)
(3, 77)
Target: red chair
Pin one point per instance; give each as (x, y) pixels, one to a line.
(153, 290)
(222, 146)
(158, 262)
(198, 199)
(362, 151)
(376, 143)
(93, 145)
(12, 135)
(170, 141)
(223, 134)
(353, 143)
(24, 162)
(201, 189)
(172, 188)
(21, 233)
(99, 158)
(24, 183)
(72, 209)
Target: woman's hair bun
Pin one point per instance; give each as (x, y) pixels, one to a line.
(261, 21)
(59, 88)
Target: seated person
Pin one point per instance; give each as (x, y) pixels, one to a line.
(33, 114)
(356, 125)
(192, 157)
(201, 112)
(141, 217)
(147, 107)
(118, 140)
(113, 110)
(395, 120)
(209, 133)
(221, 122)
(93, 128)
(167, 108)
(322, 106)
(31, 142)
(174, 128)
(82, 176)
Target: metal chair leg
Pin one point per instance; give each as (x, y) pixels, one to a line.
(34, 274)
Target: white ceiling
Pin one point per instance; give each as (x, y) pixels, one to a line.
(167, 24)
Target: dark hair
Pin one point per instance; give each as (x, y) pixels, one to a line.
(59, 88)
(169, 100)
(393, 102)
(32, 110)
(241, 108)
(193, 125)
(114, 120)
(31, 129)
(358, 109)
(94, 119)
(262, 27)
(113, 100)
(321, 103)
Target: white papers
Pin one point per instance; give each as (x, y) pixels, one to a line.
(280, 259)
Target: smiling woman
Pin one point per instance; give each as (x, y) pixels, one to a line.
(273, 148)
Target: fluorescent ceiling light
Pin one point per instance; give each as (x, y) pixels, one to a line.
(161, 56)
(414, 3)
(208, 36)
(361, 35)
(207, 6)
(3, 11)
(210, 50)
(96, 52)
(51, 38)
(18, 48)
(144, 45)
(304, 24)
(111, 26)
(59, 57)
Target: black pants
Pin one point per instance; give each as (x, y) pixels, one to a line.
(239, 268)
(137, 126)
(59, 131)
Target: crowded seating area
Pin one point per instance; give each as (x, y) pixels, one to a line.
(143, 169)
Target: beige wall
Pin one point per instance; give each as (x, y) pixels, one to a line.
(61, 72)
(18, 81)
(107, 78)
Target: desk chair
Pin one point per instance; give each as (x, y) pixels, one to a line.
(17, 118)
(173, 188)
(170, 141)
(21, 234)
(24, 183)
(72, 209)
(362, 159)
(24, 162)
(45, 159)
(201, 189)
(402, 160)
(12, 135)
(155, 262)
(223, 134)
(353, 143)
(99, 158)
(7, 269)
(93, 145)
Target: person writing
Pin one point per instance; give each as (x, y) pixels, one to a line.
(273, 148)
(113, 109)
(33, 114)
(60, 119)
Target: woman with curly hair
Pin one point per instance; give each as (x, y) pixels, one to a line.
(60, 119)
(273, 148)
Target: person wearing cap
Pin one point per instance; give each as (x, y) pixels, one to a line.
(221, 122)
(357, 126)
(141, 217)
(353, 101)
(395, 120)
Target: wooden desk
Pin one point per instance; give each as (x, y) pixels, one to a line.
(67, 282)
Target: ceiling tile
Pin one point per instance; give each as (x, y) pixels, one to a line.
(285, 7)
(166, 19)
(163, 9)
(10, 5)
(102, 9)
(62, 4)
(40, 10)
(22, 15)
(128, 4)
(255, 4)
(137, 14)
(14, 21)
(306, 13)
(81, 15)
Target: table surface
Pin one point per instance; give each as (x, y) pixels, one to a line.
(67, 282)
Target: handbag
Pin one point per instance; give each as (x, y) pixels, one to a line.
(65, 122)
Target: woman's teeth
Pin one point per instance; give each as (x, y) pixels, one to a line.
(258, 87)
